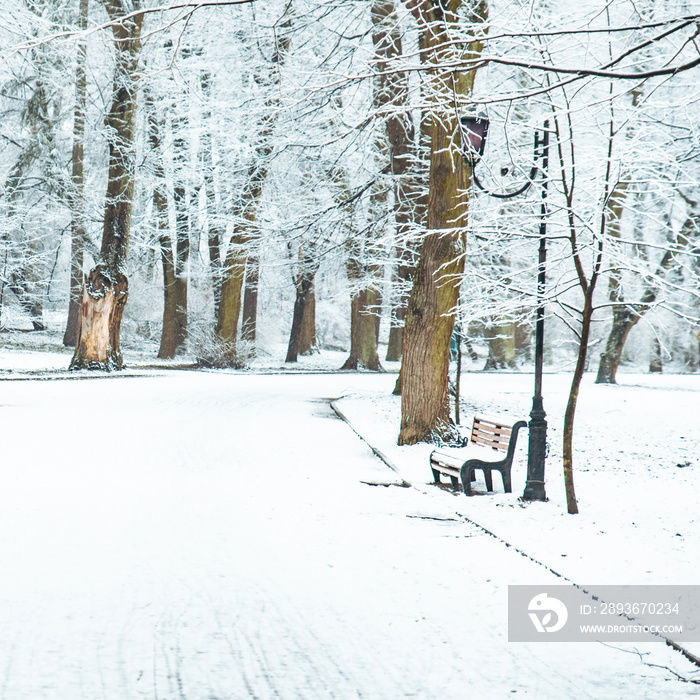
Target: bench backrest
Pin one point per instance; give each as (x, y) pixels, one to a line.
(488, 431)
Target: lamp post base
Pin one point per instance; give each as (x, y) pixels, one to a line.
(537, 452)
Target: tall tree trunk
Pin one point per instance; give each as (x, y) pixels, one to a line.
(175, 262)
(570, 413)
(363, 279)
(231, 293)
(391, 93)
(363, 339)
(172, 331)
(656, 363)
(216, 227)
(29, 299)
(623, 316)
(587, 284)
(307, 343)
(404, 273)
(626, 316)
(430, 314)
(394, 348)
(77, 195)
(364, 273)
(624, 319)
(160, 205)
(501, 341)
(233, 271)
(426, 342)
(215, 236)
(304, 286)
(393, 144)
(106, 290)
(411, 212)
(234, 267)
(250, 299)
(104, 298)
(24, 272)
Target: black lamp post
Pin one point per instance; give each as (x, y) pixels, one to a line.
(474, 129)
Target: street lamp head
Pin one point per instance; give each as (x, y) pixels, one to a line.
(474, 127)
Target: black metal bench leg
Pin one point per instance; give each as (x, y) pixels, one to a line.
(436, 475)
(505, 473)
(455, 482)
(467, 478)
(488, 478)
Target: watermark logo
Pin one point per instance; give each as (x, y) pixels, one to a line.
(565, 613)
(540, 610)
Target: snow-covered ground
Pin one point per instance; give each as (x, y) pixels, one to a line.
(215, 535)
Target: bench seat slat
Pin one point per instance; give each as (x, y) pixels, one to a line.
(491, 447)
(493, 427)
(461, 454)
(493, 444)
(489, 431)
(445, 460)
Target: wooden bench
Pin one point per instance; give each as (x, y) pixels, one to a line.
(490, 448)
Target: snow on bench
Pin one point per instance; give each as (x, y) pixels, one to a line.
(490, 448)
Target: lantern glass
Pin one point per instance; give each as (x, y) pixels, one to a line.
(475, 127)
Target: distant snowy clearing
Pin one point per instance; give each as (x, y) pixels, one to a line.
(208, 535)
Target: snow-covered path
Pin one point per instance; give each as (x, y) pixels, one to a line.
(208, 536)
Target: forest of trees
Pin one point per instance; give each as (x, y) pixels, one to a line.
(230, 175)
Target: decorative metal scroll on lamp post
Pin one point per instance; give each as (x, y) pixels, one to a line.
(474, 129)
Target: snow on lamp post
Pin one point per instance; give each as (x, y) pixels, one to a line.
(474, 128)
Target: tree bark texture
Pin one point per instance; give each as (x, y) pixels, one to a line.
(394, 349)
(627, 315)
(656, 363)
(570, 413)
(501, 341)
(250, 301)
(215, 236)
(106, 289)
(175, 260)
(391, 93)
(587, 281)
(215, 223)
(232, 292)
(430, 315)
(410, 213)
(363, 338)
(391, 155)
(426, 344)
(234, 267)
(174, 333)
(304, 286)
(363, 278)
(624, 319)
(307, 344)
(404, 274)
(104, 298)
(77, 176)
(24, 268)
(28, 298)
(233, 271)
(171, 289)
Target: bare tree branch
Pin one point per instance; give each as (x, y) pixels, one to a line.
(191, 6)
